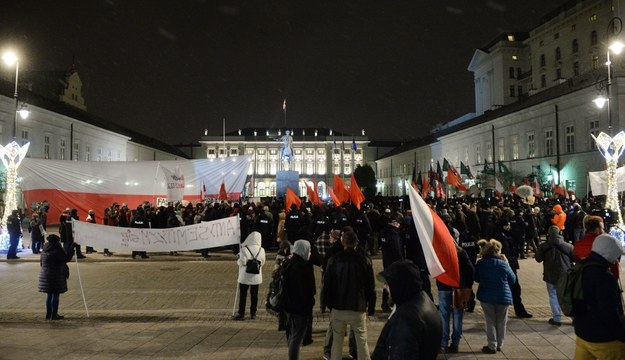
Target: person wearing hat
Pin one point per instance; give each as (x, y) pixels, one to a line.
(600, 324)
(495, 278)
(14, 227)
(90, 219)
(414, 329)
(53, 275)
(36, 234)
(392, 246)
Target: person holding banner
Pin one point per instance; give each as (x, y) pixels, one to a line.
(250, 277)
(139, 221)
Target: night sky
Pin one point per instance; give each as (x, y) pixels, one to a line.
(171, 69)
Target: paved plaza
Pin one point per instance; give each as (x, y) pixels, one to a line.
(170, 307)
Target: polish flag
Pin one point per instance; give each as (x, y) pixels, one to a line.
(223, 194)
(513, 188)
(537, 191)
(438, 246)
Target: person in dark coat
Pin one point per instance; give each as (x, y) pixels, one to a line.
(509, 249)
(300, 288)
(139, 221)
(414, 330)
(14, 227)
(36, 236)
(599, 321)
(392, 250)
(53, 275)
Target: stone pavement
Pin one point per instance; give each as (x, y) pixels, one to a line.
(180, 306)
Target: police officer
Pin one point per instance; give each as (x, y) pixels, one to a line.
(14, 227)
(139, 221)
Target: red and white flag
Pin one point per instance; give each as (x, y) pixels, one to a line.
(513, 188)
(438, 246)
(284, 105)
(536, 187)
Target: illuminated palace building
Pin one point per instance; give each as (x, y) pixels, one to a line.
(535, 107)
(318, 154)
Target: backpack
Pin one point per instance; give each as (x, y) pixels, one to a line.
(252, 266)
(569, 288)
(277, 297)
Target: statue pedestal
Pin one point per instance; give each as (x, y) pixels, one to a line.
(286, 179)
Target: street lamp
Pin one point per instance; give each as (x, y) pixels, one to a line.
(12, 155)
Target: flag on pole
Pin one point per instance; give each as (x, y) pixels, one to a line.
(202, 191)
(354, 146)
(355, 195)
(340, 189)
(498, 187)
(284, 105)
(487, 169)
(445, 164)
(425, 189)
(334, 198)
(537, 191)
(466, 170)
(438, 246)
(513, 187)
(313, 197)
(439, 172)
(223, 195)
(431, 176)
(503, 168)
(292, 198)
(454, 179)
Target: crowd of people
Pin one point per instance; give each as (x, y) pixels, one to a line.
(491, 237)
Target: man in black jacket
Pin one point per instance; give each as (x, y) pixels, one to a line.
(300, 287)
(415, 318)
(349, 291)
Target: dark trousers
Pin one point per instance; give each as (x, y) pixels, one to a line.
(35, 246)
(519, 308)
(295, 331)
(143, 254)
(52, 305)
(13, 241)
(243, 298)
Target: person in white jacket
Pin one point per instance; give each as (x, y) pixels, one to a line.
(250, 249)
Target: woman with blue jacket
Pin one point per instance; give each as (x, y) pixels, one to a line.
(495, 277)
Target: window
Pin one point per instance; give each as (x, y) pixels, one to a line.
(558, 74)
(76, 154)
(512, 91)
(510, 37)
(595, 62)
(210, 153)
(234, 152)
(575, 46)
(62, 149)
(99, 157)
(592, 18)
(46, 147)
(25, 137)
(519, 72)
(556, 36)
(570, 138)
(519, 90)
(549, 142)
(531, 145)
(593, 38)
(489, 152)
(501, 149)
(543, 61)
(478, 154)
(558, 54)
(511, 72)
(576, 68)
(543, 81)
(88, 153)
(594, 130)
(515, 147)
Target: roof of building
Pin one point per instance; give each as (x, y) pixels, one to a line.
(44, 102)
(298, 134)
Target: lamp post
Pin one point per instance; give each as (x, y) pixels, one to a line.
(611, 147)
(12, 155)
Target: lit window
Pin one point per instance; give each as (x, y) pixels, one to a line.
(510, 37)
(515, 58)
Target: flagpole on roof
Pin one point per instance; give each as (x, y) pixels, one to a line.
(284, 109)
(224, 136)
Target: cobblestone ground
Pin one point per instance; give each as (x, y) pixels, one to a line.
(180, 306)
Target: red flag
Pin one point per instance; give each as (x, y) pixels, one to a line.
(203, 191)
(292, 198)
(312, 195)
(335, 199)
(340, 189)
(454, 179)
(537, 191)
(438, 246)
(355, 195)
(560, 190)
(223, 195)
(425, 188)
(513, 188)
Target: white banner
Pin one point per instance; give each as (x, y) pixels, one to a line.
(208, 234)
(174, 180)
(599, 181)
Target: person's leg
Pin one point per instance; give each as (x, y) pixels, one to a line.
(489, 319)
(308, 334)
(13, 242)
(444, 309)
(501, 313)
(327, 344)
(49, 306)
(556, 312)
(339, 326)
(242, 298)
(358, 324)
(519, 308)
(55, 305)
(458, 315)
(253, 300)
(611, 350)
(296, 329)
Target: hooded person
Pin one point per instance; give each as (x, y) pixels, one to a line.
(251, 250)
(556, 256)
(414, 328)
(559, 217)
(599, 322)
(53, 275)
(300, 288)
